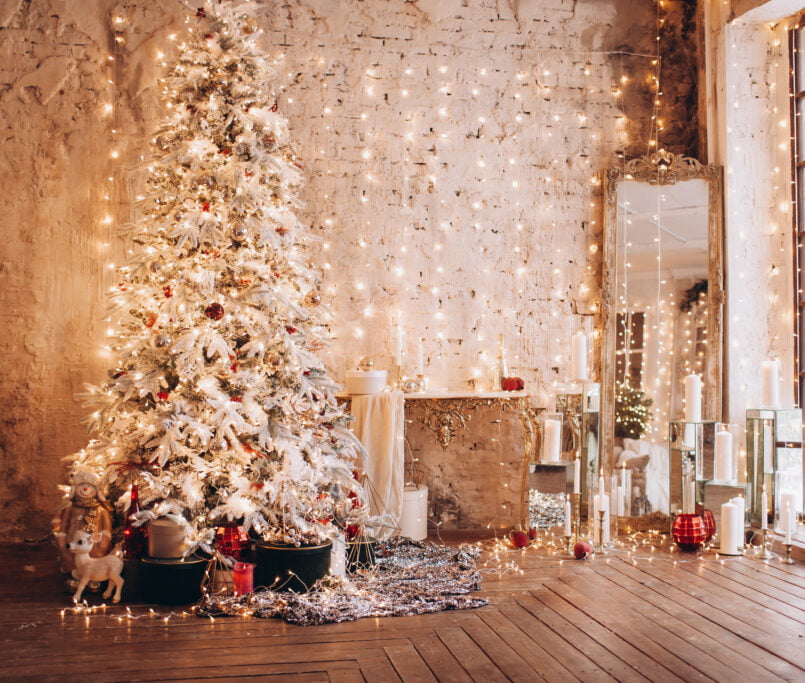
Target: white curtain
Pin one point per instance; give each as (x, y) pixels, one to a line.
(379, 424)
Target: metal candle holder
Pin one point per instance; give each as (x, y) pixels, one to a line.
(576, 517)
(601, 548)
(568, 549)
(788, 559)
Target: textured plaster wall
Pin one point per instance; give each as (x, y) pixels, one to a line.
(450, 146)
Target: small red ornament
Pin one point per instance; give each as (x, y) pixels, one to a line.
(512, 384)
(214, 311)
(236, 399)
(231, 540)
(201, 13)
(688, 531)
(225, 151)
(519, 539)
(208, 36)
(274, 107)
(532, 533)
(281, 230)
(168, 292)
(582, 550)
(205, 206)
(290, 330)
(162, 395)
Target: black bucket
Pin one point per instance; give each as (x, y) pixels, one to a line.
(171, 581)
(288, 568)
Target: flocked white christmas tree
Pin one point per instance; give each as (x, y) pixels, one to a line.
(219, 407)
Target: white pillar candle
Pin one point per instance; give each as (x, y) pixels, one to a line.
(420, 358)
(724, 460)
(577, 476)
(568, 517)
(629, 492)
(621, 501)
(578, 356)
(601, 487)
(740, 505)
(729, 529)
(693, 398)
(771, 385)
(552, 442)
(764, 509)
(786, 500)
(788, 516)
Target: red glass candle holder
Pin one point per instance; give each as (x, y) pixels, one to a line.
(689, 531)
(709, 524)
(243, 578)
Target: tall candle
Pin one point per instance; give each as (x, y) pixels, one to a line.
(786, 500)
(578, 356)
(730, 529)
(740, 504)
(568, 517)
(552, 442)
(693, 398)
(764, 509)
(601, 487)
(788, 516)
(621, 501)
(724, 460)
(768, 459)
(577, 475)
(771, 384)
(420, 358)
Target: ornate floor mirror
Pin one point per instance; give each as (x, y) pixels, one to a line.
(662, 307)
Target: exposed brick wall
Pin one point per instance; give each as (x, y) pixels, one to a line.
(484, 200)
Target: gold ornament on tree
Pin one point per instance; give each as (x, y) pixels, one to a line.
(312, 298)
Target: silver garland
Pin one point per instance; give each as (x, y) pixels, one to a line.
(410, 577)
(546, 510)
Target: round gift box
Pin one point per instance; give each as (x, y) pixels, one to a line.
(365, 381)
(283, 567)
(165, 539)
(172, 581)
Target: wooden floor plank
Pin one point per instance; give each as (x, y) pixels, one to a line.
(408, 664)
(439, 659)
(469, 655)
(541, 661)
(504, 656)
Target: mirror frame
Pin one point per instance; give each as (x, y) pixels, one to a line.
(662, 168)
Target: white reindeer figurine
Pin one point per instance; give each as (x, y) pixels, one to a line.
(95, 568)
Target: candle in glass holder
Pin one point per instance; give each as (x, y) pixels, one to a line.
(723, 457)
(568, 517)
(243, 577)
(552, 443)
(693, 398)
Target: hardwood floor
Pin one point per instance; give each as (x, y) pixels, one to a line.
(643, 615)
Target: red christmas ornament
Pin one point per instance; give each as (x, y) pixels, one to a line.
(205, 206)
(582, 550)
(512, 384)
(225, 151)
(135, 538)
(519, 539)
(214, 311)
(231, 540)
(290, 330)
(162, 395)
(201, 13)
(168, 292)
(532, 533)
(688, 531)
(236, 399)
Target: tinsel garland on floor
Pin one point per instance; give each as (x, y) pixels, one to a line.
(410, 577)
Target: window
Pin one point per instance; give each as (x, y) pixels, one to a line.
(797, 55)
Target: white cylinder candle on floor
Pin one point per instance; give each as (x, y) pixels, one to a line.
(578, 356)
(771, 385)
(552, 441)
(740, 503)
(730, 529)
(693, 398)
(414, 518)
(338, 556)
(724, 457)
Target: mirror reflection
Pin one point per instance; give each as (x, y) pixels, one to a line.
(660, 289)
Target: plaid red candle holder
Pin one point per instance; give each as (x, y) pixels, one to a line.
(689, 531)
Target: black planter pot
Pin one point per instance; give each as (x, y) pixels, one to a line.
(288, 568)
(171, 582)
(361, 555)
